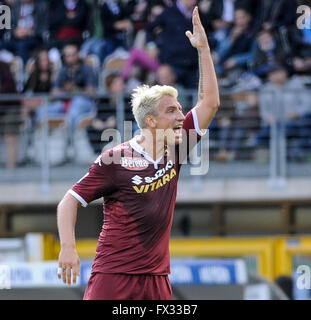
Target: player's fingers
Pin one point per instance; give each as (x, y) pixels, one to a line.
(78, 268)
(189, 34)
(59, 271)
(195, 16)
(74, 277)
(68, 274)
(64, 273)
(75, 272)
(198, 15)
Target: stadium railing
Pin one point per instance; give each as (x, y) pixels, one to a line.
(232, 141)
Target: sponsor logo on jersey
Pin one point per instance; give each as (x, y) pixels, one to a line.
(160, 172)
(130, 163)
(156, 184)
(137, 180)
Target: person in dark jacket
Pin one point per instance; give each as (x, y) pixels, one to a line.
(114, 16)
(28, 27)
(172, 25)
(235, 49)
(68, 21)
(268, 50)
(274, 14)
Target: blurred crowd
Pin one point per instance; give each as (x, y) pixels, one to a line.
(111, 46)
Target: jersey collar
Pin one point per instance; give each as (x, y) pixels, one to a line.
(138, 148)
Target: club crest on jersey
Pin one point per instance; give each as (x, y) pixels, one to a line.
(134, 164)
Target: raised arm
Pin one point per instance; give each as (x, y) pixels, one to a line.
(208, 95)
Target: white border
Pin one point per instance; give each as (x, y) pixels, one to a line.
(78, 197)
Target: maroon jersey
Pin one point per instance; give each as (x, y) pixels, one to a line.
(139, 199)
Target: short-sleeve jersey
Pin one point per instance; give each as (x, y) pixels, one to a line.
(139, 199)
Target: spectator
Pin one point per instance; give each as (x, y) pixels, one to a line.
(268, 50)
(68, 22)
(139, 14)
(40, 80)
(9, 115)
(145, 57)
(141, 10)
(234, 129)
(116, 27)
(302, 66)
(235, 49)
(275, 14)
(300, 41)
(295, 105)
(140, 58)
(42, 75)
(74, 77)
(165, 76)
(106, 114)
(181, 56)
(220, 13)
(219, 16)
(254, 7)
(29, 26)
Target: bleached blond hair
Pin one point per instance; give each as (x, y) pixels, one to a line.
(145, 101)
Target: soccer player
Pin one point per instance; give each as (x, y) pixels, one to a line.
(139, 188)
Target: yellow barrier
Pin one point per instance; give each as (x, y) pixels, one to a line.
(286, 248)
(49, 250)
(262, 248)
(274, 254)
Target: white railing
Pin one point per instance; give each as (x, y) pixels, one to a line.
(233, 135)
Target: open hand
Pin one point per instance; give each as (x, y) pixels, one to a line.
(198, 38)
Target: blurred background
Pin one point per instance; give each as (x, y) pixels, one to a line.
(67, 68)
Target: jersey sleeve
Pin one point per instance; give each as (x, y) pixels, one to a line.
(97, 183)
(192, 134)
(191, 123)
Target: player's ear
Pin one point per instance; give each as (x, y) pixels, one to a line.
(151, 122)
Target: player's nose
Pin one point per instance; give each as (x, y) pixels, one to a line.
(180, 116)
